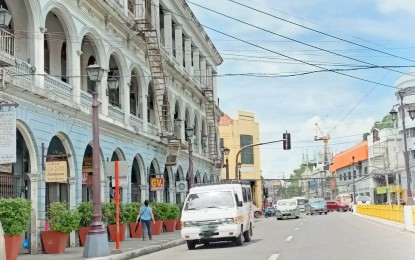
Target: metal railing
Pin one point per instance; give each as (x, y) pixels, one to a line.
(388, 212)
(7, 47)
(10, 186)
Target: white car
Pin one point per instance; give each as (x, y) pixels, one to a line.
(365, 200)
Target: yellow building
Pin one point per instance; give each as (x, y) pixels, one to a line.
(235, 134)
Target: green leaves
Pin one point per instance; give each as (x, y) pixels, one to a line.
(85, 211)
(108, 213)
(163, 211)
(63, 219)
(15, 215)
(131, 211)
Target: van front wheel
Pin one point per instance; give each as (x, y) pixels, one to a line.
(238, 239)
(191, 244)
(247, 235)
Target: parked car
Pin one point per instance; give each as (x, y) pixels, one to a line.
(288, 209)
(345, 199)
(363, 200)
(314, 206)
(301, 202)
(257, 212)
(334, 205)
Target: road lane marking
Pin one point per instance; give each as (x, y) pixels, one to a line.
(274, 257)
(296, 228)
(289, 238)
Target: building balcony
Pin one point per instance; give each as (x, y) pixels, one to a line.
(7, 49)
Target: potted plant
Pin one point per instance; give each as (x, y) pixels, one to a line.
(15, 218)
(85, 211)
(179, 223)
(131, 210)
(160, 214)
(172, 215)
(108, 215)
(62, 221)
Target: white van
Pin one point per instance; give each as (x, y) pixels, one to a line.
(218, 212)
(301, 202)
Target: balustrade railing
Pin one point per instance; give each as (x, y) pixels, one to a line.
(86, 99)
(116, 114)
(58, 88)
(153, 129)
(136, 123)
(21, 70)
(7, 48)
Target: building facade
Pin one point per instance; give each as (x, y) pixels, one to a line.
(235, 134)
(164, 65)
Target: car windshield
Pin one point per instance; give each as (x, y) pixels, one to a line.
(363, 198)
(286, 203)
(316, 201)
(213, 199)
(301, 201)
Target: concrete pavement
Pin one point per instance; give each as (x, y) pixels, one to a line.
(130, 248)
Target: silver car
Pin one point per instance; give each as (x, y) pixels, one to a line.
(287, 209)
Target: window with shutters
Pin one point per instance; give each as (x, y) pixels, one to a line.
(247, 154)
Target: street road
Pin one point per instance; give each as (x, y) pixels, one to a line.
(337, 235)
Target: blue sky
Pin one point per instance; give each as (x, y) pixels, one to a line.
(343, 106)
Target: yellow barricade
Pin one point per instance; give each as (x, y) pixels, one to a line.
(387, 212)
(413, 216)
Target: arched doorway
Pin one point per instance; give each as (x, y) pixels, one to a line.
(57, 191)
(136, 172)
(166, 186)
(117, 155)
(153, 172)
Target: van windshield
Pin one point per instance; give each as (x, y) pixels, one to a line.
(213, 199)
(286, 203)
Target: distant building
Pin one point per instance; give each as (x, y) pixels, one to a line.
(235, 134)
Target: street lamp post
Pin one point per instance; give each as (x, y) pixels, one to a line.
(225, 152)
(97, 240)
(189, 133)
(394, 114)
(354, 183)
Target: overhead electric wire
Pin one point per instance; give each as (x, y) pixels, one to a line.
(320, 32)
(294, 40)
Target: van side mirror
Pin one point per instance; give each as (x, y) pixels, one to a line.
(240, 203)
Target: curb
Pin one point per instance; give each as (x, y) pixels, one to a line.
(395, 225)
(142, 251)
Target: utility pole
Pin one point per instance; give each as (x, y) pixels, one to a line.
(354, 183)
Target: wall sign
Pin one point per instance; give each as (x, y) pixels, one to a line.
(156, 184)
(56, 171)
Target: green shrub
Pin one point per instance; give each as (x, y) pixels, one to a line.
(15, 215)
(131, 211)
(173, 212)
(108, 213)
(160, 210)
(85, 211)
(63, 219)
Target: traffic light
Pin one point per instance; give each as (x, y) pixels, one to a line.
(286, 143)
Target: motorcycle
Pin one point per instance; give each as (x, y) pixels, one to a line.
(269, 212)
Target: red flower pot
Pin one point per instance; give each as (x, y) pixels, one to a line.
(178, 225)
(133, 227)
(113, 229)
(54, 242)
(12, 244)
(170, 225)
(156, 227)
(83, 232)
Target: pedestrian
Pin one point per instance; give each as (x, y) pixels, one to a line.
(146, 213)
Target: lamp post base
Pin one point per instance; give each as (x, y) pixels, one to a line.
(96, 245)
(410, 202)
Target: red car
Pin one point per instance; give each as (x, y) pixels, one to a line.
(334, 205)
(257, 212)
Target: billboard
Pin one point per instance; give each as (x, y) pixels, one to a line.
(7, 137)
(156, 184)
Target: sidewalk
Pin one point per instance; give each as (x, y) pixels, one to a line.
(130, 247)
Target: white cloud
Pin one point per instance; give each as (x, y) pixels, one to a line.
(392, 6)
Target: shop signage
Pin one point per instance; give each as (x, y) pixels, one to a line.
(56, 171)
(87, 164)
(7, 137)
(6, 168)
(181, 186)
(156, 184)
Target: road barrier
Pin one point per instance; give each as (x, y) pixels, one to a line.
(387, 212)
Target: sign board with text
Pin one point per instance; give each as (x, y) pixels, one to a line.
(7, 137)
(156, 184)
(56, 171)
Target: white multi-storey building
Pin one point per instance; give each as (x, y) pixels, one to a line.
(164, 64)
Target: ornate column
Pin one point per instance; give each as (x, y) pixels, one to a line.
(72, 205)
(168, 34)
(172, 195)
(188, 54)
(34, 228)
(196, 64)
(143, 192)
(178, 43)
